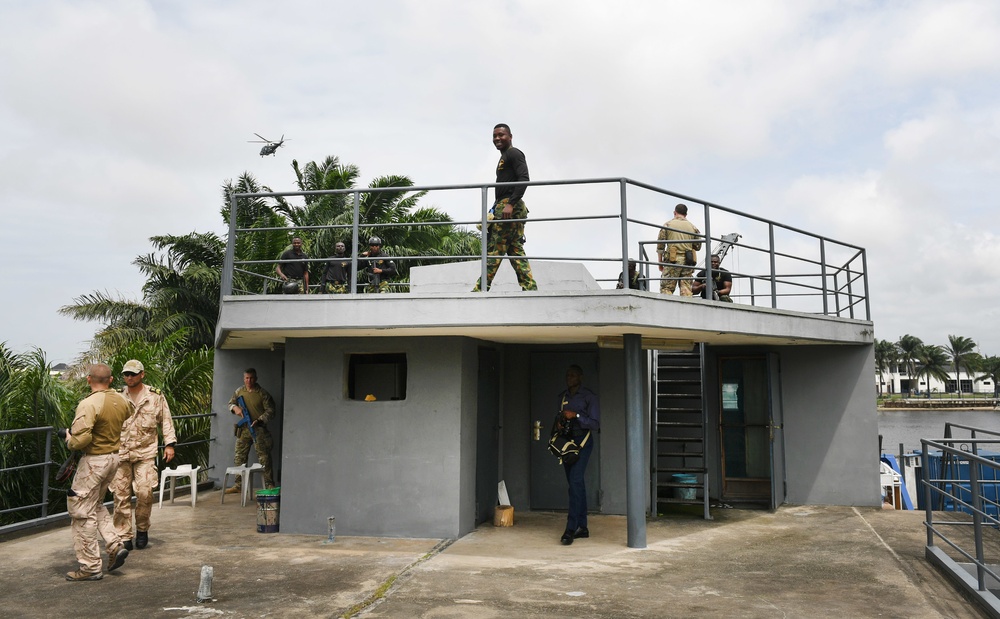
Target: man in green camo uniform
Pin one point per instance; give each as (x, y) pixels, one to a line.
(261, 408)
(377, 268)
(507, 238)
(337, 274)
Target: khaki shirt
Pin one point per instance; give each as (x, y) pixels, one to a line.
(97, 426)
(259, 401)
(680, 230)
(139, 434)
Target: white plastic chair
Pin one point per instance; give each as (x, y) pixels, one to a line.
(245, 473)
(183, 470)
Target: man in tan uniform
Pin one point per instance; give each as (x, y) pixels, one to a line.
(680, 253)
(96, 431)
(137, 469)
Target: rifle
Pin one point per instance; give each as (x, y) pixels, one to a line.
(246, 418)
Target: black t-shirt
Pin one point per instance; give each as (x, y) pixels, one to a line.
(338, 270)
(511, 167)
(719, 275)
(293, 270)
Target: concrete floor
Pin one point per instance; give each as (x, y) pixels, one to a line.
(797, 562)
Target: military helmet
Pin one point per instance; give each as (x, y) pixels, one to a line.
(375, 241)
(290, 287)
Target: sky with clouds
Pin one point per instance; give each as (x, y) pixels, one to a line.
(873, 123)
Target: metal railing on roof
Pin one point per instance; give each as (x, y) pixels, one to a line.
(777, 265)
(966, 485)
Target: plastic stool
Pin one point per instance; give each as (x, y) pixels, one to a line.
(183, 470)
(245, 473)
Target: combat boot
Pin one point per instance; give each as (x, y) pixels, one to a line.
(80, 575)
(141, 539)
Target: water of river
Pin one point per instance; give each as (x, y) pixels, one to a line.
(908, 427)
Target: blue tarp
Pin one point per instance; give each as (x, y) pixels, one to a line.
(955, 476)
(891, 461)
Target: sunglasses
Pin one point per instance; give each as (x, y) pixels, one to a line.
(130, 373)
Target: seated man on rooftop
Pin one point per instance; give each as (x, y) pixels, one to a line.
(635, 280)
(722, 282)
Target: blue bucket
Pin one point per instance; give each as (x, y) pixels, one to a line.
(689, 479)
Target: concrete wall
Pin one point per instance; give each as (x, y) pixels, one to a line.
(385, 468)
(831, 425)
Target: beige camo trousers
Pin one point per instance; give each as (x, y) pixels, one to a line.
(142, 477)
(90, 517)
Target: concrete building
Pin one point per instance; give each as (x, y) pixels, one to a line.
(464, 388)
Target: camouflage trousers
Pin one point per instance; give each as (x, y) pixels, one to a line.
(507, 239)
(90, 517)
(382, 287)
(142, 477)
(332, 288)
(263, 448)
(668, 283)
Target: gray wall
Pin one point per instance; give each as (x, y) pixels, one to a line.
(386, 468)
(831, 426)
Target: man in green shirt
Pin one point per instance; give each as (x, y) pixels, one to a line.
(260, 405)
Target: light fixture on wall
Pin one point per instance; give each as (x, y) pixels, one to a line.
(648, 343)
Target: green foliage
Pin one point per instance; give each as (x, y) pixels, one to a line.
(962, 350)
(31, 396)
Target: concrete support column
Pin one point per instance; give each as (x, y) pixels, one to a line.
(635, 445)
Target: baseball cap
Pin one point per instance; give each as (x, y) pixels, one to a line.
(133, 366)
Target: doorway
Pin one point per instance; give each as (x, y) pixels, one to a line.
(548, 380)
(750, 426)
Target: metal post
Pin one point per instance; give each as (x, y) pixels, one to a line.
(634, 443)
(482, 241)
(709, 283)
(45, 472)
(822, 276)
(774, 291)
(228, 262)
(929, 512)
(624, 219)
(355, 238)
(977, 519)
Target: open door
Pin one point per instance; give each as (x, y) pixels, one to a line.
(750, 426)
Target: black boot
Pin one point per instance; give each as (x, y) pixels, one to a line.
(141, 539)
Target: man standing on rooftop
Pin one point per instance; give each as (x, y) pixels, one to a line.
(507, 238)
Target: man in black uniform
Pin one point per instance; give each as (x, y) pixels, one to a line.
(722, 282)
(377, 269)
(337, 275)
(294, 272)
(507, 238)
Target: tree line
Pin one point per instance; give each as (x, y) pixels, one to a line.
(920, 360)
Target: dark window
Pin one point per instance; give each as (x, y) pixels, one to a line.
(381, 375)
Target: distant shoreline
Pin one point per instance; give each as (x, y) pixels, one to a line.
(943, 409)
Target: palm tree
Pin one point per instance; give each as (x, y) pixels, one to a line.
(885, 356)
(990, 367)
(263, 245)
(932, 362)
(31, 396)
(961, 350)
(908, 347)
(181, 292)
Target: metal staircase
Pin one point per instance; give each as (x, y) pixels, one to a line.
(679, 428)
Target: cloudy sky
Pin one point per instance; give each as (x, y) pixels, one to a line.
(874, 123)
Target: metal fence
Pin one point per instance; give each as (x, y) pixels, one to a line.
(965, 485)
(48, 502)
(600, 223)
